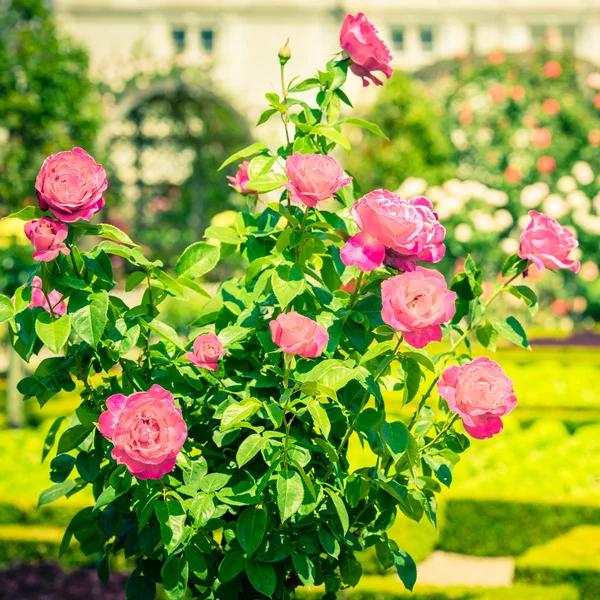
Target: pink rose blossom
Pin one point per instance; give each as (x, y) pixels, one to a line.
(480, 393)
(546, 243)
(147, 430)
(313, 177)
(365, 48)
(207, 352)
(416, 303)
(296, 334)
(363, 251)
(409, 230)
(71, 184)
(240, 182)
(46, 236)
(38, 298)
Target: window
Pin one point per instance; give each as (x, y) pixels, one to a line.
(207, 39)
(179, 39)
(426, 37)
(398, 39)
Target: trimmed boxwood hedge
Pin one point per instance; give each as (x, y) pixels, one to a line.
(488, 527)
(573, 558)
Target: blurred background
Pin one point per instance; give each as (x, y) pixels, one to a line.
(493, 110)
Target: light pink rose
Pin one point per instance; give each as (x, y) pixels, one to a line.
(546, 243)
(481, 393)
(46, 236)
(296, 334)
(147, 430)
(207, 352)
(240, 182)
(365, 48)
(416, 303)
(313, 177)
(409, 229)
(363, 251)
(38, 298)
(71, 184)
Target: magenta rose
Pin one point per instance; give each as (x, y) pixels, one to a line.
(547, 244)
(481, 393)
(240, 182)
(56, 305)
(365, 48)
(296, 334)
(46, 236)
(71, 184)
(416, 303)
(313, 177)
(207, 352)
(147, 430)
(407, 230)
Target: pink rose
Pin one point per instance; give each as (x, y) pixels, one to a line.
(480, 393)
(416, 303)
(408, 230)
(296, 334)
(38, 298)
(365, 48)
(46, 236)
(147, 431)
(240, 181)
(546, 243)
(313, 177)
(207, 351)
(71, 185)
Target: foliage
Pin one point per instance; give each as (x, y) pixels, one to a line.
(261, 499)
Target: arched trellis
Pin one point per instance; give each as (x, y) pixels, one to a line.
(165, 138)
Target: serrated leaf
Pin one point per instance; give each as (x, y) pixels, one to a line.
(238, 412)
(320, 417)
(166, 332)
(244, 153)
(89, 315)
(56, 491)
(287, 283)
(513, 331)
(197, 260)
(27, 214)
(171, 518)
(290, 493)
(365, 125)
(406, 568)
(395, 436)
(262, 576)
(332, 134)
(53, 332)
(249, 448)
(7, 310)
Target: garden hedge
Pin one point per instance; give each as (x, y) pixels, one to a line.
(573, 558)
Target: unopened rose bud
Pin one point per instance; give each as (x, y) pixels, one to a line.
(285, 53)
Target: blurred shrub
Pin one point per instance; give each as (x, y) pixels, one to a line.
(573, 558)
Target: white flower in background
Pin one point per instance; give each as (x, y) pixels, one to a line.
(503, 218)
(533, 194)
(496, 197)
(523, 221)
(579, 200)
(510, 245)
(583, 173)
(576, 253)
(522, 137)
(566, 184)
(412, 186)
(436, 193)
(593, 80)
(587, 222)
(555, 206)
(4, 136)
(596, 202)
(463, 232)
(448, 206)
(459, 139)
(484, 136)
(483, 221)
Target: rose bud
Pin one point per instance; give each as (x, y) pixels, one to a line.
(296, 334)
(240, 181)
(46, 236)
(207, 352)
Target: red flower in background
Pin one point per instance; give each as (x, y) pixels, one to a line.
(497, 92)
(546, 164)
(541, 137)
(466, 117)
(517, 93)
(594, 138)
(497, 57)
(550, 106)
(512, 174)
(552, 69)
(597, 101)
(560, 307)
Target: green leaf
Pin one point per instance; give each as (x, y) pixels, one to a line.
(287, 283)
(331, 373)
(262, 576)
(72, 437)
(320, 417)
(305, 568)
(171, 518)
(329, 543)
(227, 235)
(267, 182)
(175, 573)
(53, 332)
(7, 310)
(89, 315)
(249, 448)
(202, 508)
(367, 419)
(61, 467)
(412, 379)
(527, 295)
(56, 491)
(377, 350)
(290, 493)
(406, 568)
(514, 264)
(213, 482)
(166, 332)
(350, 569)
(27, 214)
(244, 153)
(51, 437)
(304, 86)
(487, 336)
(251, 527)
(231, 335)
(231, 566)
(340, 508)
(197, 260)
(238, 412)
(110, 232)
(365, 125)
(395, 436)
(332, 134)
(513, 331)
(266, 115)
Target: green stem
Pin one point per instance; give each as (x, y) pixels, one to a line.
(442, 431)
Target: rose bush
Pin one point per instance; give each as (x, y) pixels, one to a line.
(218, 461)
